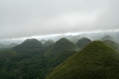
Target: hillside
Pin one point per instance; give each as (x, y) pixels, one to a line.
(112, 44)
(62, 56)
(95, 61)
(49, 42)
(83, 42)
(60, 46)
(107, 37)
(7, 54)
(28, 45)
(7, 47)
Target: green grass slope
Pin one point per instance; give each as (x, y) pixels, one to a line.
(95, 61)
(62, 56)
(6, 54)
(83, 42)
(112, 44)
(60, 46)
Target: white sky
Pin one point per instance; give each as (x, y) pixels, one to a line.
(28, 18)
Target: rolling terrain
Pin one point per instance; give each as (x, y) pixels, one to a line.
(60, 60)
(95, 61)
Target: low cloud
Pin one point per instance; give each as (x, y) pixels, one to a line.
(27, 18)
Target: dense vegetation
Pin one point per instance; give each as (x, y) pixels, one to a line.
(35, 60)
(29, 62)
(95, 61)
(7, 54)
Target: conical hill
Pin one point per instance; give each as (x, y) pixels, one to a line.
(83, 42)
(60, 46)
(28, 45)
(95, 61)
(107, 37)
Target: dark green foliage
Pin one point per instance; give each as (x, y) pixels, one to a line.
(30, 64)
(29, 48)
(83, 42)
(95, 61)
(7, 54)
(63, 56)
(24, 67)
(60, 46)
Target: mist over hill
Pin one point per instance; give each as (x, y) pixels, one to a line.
(72, 37)
(49, 42)
(107, 37)
(35, 59)
(83, 42)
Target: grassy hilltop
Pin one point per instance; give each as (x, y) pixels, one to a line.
(95, 61)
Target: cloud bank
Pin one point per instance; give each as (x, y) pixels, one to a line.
(25, 18)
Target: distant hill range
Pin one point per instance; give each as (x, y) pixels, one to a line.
(95, 61)
(83, 42)
(5, 47)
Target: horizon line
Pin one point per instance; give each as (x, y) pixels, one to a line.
(66, 34)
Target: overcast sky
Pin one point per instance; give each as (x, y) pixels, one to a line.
(25, 18)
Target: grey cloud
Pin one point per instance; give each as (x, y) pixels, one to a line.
(24, 18)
